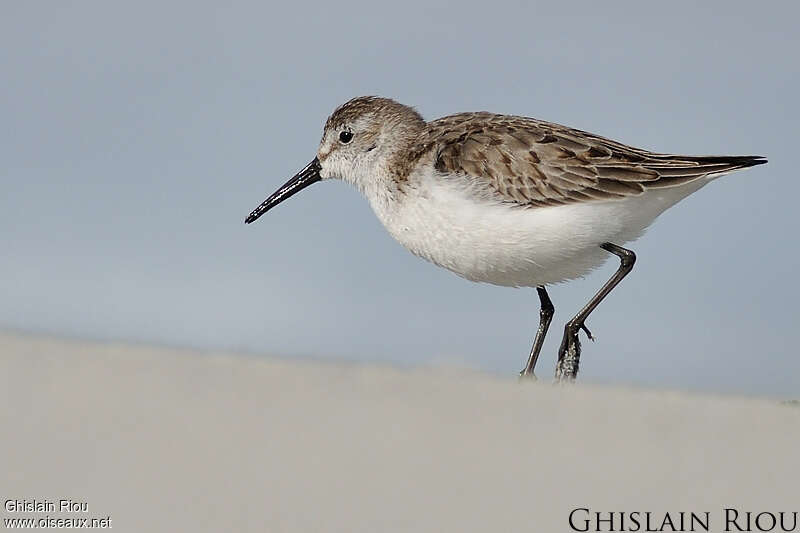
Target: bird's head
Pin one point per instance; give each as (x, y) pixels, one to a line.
(359, 144)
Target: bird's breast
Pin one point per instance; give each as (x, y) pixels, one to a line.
(459, 225)
(453, 225)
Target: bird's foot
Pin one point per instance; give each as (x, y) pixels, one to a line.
(569, 354)
(527, 376)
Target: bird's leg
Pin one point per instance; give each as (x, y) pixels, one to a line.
(569, 353)
(545, 316)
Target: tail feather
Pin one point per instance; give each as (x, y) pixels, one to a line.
(676, 170)
(731, 161)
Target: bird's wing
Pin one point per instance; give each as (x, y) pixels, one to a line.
(536, 163)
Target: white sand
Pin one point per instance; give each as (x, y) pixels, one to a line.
(169, 440)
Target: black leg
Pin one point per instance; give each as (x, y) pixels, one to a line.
(569, 354)
(545, 316)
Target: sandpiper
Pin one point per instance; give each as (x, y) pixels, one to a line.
(508, 200)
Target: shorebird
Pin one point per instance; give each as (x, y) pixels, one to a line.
(508, 200)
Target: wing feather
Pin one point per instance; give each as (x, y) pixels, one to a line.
(532, 162)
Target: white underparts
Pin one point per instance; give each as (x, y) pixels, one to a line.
(452, 223)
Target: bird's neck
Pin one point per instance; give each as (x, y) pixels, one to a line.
(382, 190)
(383, 179)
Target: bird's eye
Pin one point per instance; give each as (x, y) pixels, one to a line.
(345, 137)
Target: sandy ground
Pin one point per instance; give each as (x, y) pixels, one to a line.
(170, 440)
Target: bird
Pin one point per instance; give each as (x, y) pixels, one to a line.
(502, 199)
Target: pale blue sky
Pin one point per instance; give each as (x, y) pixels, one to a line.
(137, 137)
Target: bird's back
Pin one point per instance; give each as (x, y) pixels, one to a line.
(536, 163)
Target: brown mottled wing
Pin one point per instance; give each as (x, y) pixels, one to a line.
(536, 163)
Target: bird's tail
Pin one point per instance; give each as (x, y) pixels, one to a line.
(679, 169)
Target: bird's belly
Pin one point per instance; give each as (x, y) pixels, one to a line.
(509, 245)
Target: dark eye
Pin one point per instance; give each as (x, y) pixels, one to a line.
(345, 137)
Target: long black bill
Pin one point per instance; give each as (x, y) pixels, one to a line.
(301, 180)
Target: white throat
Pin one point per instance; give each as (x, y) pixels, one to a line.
(371, 176)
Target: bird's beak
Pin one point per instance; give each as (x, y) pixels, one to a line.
(301, 180)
